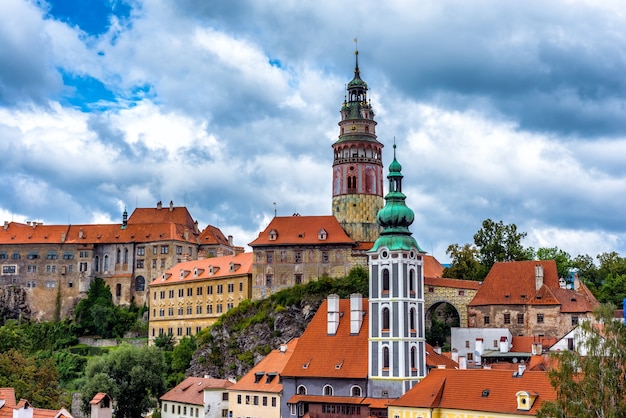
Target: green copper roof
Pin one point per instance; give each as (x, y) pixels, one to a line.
(396, 216)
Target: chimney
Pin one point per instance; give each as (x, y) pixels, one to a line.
(504, 345)
(437, 349)
(576, 282)
(536, 349)
(356, 313)
(124, 219)
(521, 368)
(195, 227)
(81, 234)
(230, 240)
(6, 225)
(455, 355)
(538, 276)
(333, 314)
(171, 205)
(63, 236)
(462, 363)
(159, 205)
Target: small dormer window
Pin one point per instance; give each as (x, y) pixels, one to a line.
(322, 234)
(182, 274)
(195, 272)
(525, 400)
(211, 270)
(273, 235)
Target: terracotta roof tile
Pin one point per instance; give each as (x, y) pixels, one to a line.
(176, 214)
(212, 235)
(98, 397)
(434, 360)
(191, 390)
(453, 283)
(467, 390)
(342, 355)
(303, 230)
(8, 396)
(524, 344)
(265, 375)
(208, 268)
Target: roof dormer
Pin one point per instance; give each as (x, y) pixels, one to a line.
(213, 269)
(165, 276)
(273, 235)
(322, 234)
(233, 267)
(525, 400)
(184, 273)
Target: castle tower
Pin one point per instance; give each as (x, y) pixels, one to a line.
(396, 345)
(357, 165)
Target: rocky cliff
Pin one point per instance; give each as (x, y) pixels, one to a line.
(13, 303)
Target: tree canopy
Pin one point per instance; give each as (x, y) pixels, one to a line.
(593, 385)
(133, 376)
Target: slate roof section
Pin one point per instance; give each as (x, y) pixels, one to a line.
(466, 389)
(341, 355)
(207, 269)
(191, 390)
(303, 230)
(265, 375)
(513, 283)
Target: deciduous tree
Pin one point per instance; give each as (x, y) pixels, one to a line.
(497, 241)
(464, 263)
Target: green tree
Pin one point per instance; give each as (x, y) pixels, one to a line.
(464, 263)
(499, 242)
(594, 384)
(587, 271)
(133, 376)
(12, 335)
(613, 290)
(563, 259)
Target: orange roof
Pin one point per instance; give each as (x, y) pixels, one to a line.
(191, 390)
(7, 410)
(8, 396)
(265, 375)
(207, 268)
(303, 230)
(432, 267)
(212, 235)
(435, 360)
(159, 215)
(98, 397)
(513, 283)
(524, 344)
(334, 356)
(477, 390)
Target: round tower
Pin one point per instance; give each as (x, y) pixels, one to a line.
(357, 165)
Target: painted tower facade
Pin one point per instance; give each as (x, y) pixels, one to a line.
(357, 165)
(397, 344)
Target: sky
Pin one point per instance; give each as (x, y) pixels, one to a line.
(508, 110)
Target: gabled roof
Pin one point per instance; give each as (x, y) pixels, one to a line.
(212, 235)
(98, 397)
(159, 215)
(341, 355)
(8, 407)
(207, 269)
(524, 344)
(481, 390)
(302, 230)
(265, 376)
(514, 283)
(191, 390)
(432, 267)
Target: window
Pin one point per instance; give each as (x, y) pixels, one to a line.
(431, 289)
(162, 294)
(540, 318)
(225, 396)
(274, 401)
(170, 311)
(70, 268)
(239, 399)
(218, 308)
(154, 263)
(179, 250)
(385, 318)
(162, 263)
(270, 257)
(140, 284)
(165, 249)
(413, 358)
(264, 401)
(355, 391)
(189, 291)
(507, 318)
(467, 344)
(229, 306)
(385, 281)
(82, 267)
(292, 409)
(141, 251)
(298, 257)
(189, 310)
(574, 320)
(162, 312)
(470, 356)
(301, 390)
(170, 293)
(385, 357)
(220, 289)
(11, 269)
(52, 256)
(139, 264)
(209, 290)
(118, 289)
(199, 291)
(231, 287)
(224, 413)
(328, 390)
(68, 256)
(324, 256)
(461, 292)
(180, 311)
(118, 257)
(255, 400)
(125, 255)
(179, 331)
(298, 278)
(198, 310)
(520, 319)
(209, 309)
(106, 263)
(3, 255)
(486, 319)
(268, 279)
(412, 316)
(16, 255)
(33, 255)
(241, 286)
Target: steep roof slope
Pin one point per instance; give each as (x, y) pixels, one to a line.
(191, 390)
(302, 230)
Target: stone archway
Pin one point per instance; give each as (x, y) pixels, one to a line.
(440, 317)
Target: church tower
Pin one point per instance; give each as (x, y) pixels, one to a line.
(397, 344)
(357, 165)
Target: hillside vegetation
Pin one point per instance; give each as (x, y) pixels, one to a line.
(248, 332)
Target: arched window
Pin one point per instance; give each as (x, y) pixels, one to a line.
(97, 263)
(414, 358)
(140, 284)
(118, 257)
(385, 318)
(125, 255)
(328, 390)
(385, 357)
(106, 263)
(412, 281)
(301, 390)
(355, 391)
(385, 281)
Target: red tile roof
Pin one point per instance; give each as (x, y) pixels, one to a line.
(453, 283)
(432, 267)
(524, 344)
(335, 356)
(265, 375)
(434, 360)
(212, 236)
(7, 410)
(222, 267)
(513, 283)
(8, 396)
(176, 215)
(98, 397)
(303, 230)
(466, 390)
(191, 390)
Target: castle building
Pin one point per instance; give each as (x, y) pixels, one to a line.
(397, 344)
(46, 269)
(192, 295)
(357, 165)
